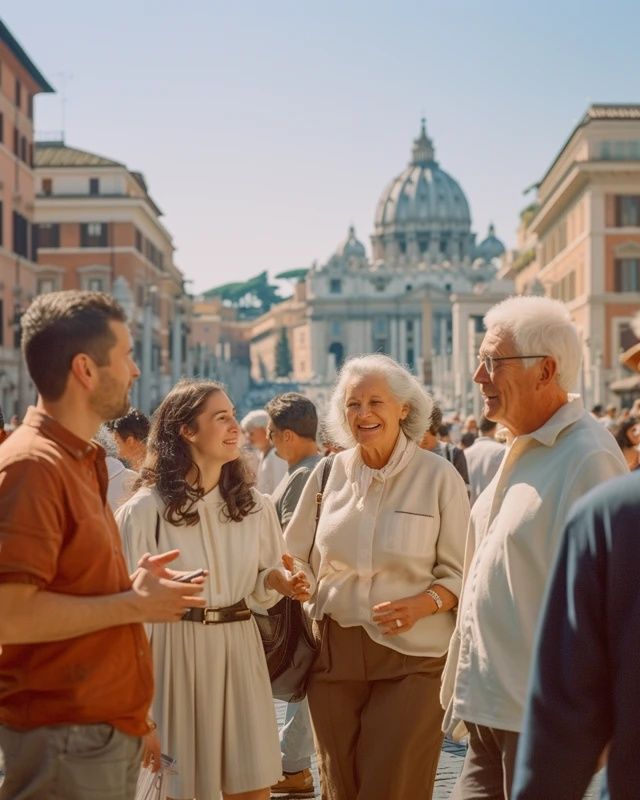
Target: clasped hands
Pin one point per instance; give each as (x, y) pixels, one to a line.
(294, 584)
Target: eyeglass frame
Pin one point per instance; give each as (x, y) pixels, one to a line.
(490, 367)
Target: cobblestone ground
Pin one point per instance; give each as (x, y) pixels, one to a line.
(448, 769)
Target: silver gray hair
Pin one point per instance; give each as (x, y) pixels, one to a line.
(541, 325)
(105, 438)
(404, 386)
(255, 419)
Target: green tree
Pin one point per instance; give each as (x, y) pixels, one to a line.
(284, 367)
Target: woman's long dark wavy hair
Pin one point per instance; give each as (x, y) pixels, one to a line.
(169, 461)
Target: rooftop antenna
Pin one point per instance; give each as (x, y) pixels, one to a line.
(64, 78)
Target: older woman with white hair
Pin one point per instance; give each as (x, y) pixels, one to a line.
(385, 572)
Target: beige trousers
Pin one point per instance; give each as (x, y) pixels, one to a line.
(376, 716)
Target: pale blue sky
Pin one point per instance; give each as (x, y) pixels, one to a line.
(265, 128)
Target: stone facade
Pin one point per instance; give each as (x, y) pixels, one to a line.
(20, 81)
(584, 240)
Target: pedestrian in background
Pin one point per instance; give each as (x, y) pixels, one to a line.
(75, 669)
(451, 452)
(130, 434)
(293, 426)
(385, 571)
(271, 468)
(627, 435)
(212, 704)
(121, 479)
(483, 458)
(529, 359)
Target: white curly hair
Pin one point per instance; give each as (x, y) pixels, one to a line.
(541, 325)
(404, 386)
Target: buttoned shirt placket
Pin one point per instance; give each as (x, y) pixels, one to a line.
(514, 453)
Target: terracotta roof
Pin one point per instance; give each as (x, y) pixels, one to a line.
(57, 154)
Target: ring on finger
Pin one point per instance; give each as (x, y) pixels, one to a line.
(398, 624)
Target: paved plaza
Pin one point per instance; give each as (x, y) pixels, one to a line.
(448, 770)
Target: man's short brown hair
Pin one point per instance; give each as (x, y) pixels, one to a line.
(59, 325)
(436, 419)
(294, 412)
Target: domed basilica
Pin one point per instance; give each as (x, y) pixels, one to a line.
(424, 260)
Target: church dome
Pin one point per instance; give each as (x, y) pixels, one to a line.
(423, 211)
(423, 194)
(351, 247)
(491, 247)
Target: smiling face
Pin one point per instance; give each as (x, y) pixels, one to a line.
(215, 436)
(509, 391)
(374, 414)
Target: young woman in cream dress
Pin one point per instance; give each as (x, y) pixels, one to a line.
(212, 705)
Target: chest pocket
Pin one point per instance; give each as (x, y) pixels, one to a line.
(408, 532)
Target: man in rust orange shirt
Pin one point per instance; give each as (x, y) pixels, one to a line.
(75, 671)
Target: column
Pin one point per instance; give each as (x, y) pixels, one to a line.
(176, 348)
(145, 369)
(402, 340)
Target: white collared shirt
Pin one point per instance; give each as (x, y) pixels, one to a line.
(383, 535)
(514, 531)
(271, 470)
(483, 461)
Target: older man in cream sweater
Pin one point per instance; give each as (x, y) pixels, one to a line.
(528, 362)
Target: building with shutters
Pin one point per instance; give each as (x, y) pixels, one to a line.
(20, 82)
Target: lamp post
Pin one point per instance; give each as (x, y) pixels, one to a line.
(176, 343)
(146, 367)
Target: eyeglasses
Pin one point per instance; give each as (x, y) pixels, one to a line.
(489, 362)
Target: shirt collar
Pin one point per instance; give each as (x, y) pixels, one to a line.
(402, 452)
(49, 427)
(566, 415)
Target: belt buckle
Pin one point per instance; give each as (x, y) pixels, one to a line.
(210, 616)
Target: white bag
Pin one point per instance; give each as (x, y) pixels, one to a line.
(152, 785)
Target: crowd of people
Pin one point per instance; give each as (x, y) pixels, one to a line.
(472, 577)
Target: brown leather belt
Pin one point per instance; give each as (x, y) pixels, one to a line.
(216, 616)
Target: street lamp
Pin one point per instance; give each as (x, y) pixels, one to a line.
(146, 367)
(176, 341)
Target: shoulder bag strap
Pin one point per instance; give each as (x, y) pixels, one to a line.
(157, 528)
(326, 470)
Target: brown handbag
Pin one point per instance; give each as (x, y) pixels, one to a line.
(289, 645)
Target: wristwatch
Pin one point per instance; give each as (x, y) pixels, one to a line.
(436, 598)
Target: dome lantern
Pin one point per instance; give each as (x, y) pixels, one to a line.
(422, 153)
